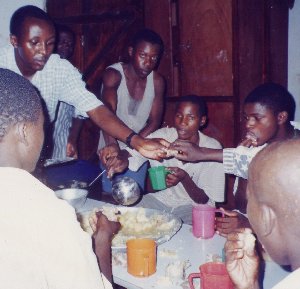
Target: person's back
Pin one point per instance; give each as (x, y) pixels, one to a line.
(42, 244)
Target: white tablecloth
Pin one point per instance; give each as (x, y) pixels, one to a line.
(186, 248)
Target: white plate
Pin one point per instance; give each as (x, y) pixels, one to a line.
(164, 225)
(50, 162)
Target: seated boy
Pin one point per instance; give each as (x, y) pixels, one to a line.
(268, 111)
(188, 183)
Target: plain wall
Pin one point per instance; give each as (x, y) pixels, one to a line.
(294, 56)
(8, 7)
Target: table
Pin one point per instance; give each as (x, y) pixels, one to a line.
(187, 248)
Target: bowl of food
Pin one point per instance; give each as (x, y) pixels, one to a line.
(74, 196)
(135, 223)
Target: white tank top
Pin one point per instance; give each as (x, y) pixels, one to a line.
(134, 113)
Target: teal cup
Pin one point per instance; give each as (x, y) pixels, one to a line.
(158, 177)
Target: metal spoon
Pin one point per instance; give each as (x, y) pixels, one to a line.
(96, 178)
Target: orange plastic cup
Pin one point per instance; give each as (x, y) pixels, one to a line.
(141, 257)
(212, 276)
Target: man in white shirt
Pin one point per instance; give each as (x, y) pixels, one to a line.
(33, 39)
(188, 183)
(273, 210)
(42, 245)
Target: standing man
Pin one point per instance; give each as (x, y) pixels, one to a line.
(134, 91)
(32, 35)
(67, 125)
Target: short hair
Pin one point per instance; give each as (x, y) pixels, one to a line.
(275, 97)
(195, 99)
(63, 28)
(19, 101)
(21, 14)
(147, 35)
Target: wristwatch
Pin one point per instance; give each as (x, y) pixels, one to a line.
(128, 139)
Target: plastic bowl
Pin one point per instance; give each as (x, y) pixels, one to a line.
(75, 197)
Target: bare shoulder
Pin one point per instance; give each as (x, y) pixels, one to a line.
(159, 80)
(111, 77)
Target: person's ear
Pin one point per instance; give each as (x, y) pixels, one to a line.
(282, 117)
(22, 131)
(13, 40)
(203, 120)
(130, 51)
(268, 220)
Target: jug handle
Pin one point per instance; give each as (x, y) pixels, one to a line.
(191, 277)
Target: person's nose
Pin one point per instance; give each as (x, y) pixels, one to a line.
(250, 122)
(183, 121)
(43, 49)
(147, 62)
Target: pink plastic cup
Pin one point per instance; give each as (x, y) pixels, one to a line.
(212, 276)
(203, 220)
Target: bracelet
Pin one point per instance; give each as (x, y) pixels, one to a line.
(128, 139)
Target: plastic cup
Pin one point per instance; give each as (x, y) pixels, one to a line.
(203, 221)
(158, 177)
(212, 276)
(141, 257)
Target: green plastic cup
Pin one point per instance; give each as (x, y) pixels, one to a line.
(158, 177)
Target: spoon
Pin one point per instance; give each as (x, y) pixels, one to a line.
(96, 178)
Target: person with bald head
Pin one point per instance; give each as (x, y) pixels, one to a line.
(273, 210)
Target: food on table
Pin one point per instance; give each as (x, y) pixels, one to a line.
(135, 223)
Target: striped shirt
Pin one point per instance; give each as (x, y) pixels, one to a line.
(58, 81)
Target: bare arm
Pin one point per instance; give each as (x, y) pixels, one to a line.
(155, 116)
(103, 235)
(111, 81)
(107, 121)
(179, 175)
(193, 153)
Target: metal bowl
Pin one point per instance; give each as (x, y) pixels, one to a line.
(75, 197)
(125, 191)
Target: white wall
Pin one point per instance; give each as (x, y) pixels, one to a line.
(8, 7)
(294, 56)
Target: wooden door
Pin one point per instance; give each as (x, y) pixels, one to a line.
(103, 30)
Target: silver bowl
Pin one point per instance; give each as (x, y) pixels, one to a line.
(125, 191)
(75, 197)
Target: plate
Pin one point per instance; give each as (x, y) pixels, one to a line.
(50, 162)
(138, 223)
